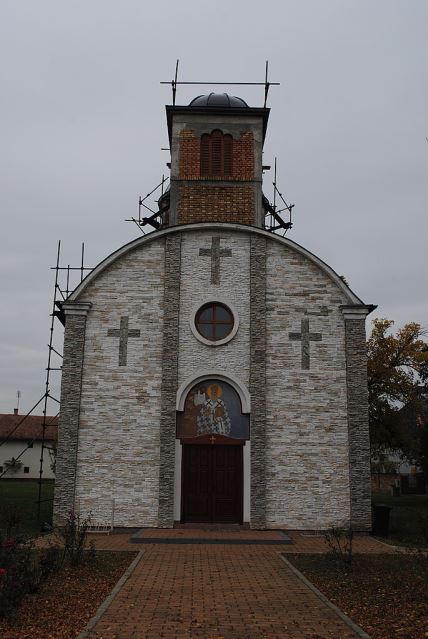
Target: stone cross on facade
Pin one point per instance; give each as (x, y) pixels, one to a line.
(123, 333)
(306, 338)
(216, 253)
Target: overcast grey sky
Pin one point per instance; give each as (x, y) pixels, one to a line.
(82, 125)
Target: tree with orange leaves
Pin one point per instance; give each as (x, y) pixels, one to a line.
(397, 365)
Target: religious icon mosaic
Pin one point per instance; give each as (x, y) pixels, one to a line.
(213, 408)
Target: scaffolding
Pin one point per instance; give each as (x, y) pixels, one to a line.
(274, 220)
(157, 218)
(65, 281)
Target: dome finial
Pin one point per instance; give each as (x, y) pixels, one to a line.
(218, 100)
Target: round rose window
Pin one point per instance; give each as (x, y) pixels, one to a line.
(214, 321)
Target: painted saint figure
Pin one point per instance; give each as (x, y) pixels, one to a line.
(213, 416)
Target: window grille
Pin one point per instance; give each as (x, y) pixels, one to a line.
(216, 154)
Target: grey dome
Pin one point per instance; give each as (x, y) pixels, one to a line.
(218, 100)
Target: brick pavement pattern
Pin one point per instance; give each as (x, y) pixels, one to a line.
(302, 543)
(218, 591)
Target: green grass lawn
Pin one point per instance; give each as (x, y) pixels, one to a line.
(20, 497)
(408, 518)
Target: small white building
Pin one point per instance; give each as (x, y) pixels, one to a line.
(21, 440)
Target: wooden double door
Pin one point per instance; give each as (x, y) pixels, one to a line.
(212, 483)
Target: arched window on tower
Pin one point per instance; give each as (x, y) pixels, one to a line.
(216, 154)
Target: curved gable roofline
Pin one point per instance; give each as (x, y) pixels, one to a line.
(155, 235)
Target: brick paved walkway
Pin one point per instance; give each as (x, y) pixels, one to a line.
(302, 543)
(219, 592)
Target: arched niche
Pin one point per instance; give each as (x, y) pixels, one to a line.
(205, 374)
(213, 407)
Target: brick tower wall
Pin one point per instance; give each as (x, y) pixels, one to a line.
(232, 199)
(242, 158)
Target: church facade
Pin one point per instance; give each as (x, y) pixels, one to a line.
(215, 371)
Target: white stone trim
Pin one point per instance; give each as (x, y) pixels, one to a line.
(202, 375)
(217, 300)
(246, 462)
(217, 226)
(177, 479)
(356, 312)
(76, 308)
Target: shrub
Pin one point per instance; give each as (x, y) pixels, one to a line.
(12, 465)
(340, 542)
(23, 568)
(50, 560)
(74, 534)
(11, 518)
(19, 572)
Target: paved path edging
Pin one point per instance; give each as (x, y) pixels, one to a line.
(109, 599)
(360, 632)
(411, 550)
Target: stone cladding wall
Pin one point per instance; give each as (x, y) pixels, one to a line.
(359, 443)
(309, 461)
(196, 288)
(258, 381)
(169, 379)
(306, 426)
(71, 384)
(120, 415)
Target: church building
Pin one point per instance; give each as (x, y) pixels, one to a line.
(215, 371)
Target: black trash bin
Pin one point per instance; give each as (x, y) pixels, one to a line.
(381, 519)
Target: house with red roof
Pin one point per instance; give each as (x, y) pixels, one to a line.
(21, 440)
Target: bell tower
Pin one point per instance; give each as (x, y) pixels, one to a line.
(216, 147)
